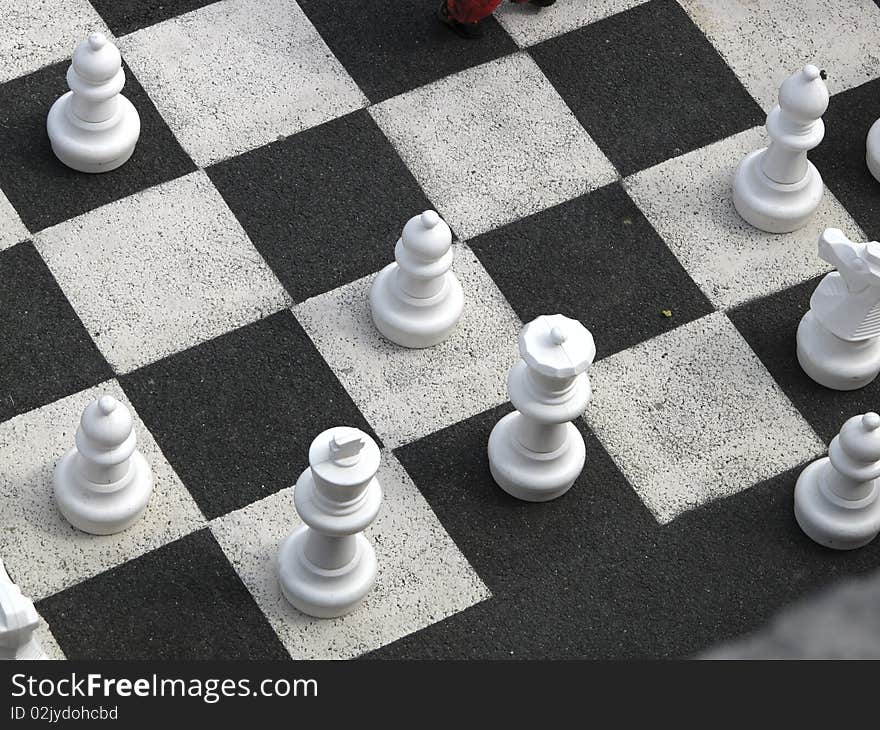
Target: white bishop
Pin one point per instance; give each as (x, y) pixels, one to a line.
(103, 484)
(836, 500)
(417, 301)
(94, 128)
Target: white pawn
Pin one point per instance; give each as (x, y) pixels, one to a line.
(836, 500)
(103, 484)
(776, 188)
(326, 566)
(94, 128)
(872, 150)
(417, 301)
(838, 339)
(18, 621)
(536, 453)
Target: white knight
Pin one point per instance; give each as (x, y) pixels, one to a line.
(838, 339)
(18, 621)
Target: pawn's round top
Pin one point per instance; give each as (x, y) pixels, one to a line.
(860, 438)
(427, 235)
(106, 422)
(96, 59)
(803, 95)
(344, 456)
(557, 346)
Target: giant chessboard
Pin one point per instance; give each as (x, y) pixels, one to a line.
(217, 282)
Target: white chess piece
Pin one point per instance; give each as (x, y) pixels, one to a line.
(536, 453)
(838, 339)
(836, 499)
(326, 566)
(776, 188)
(94, 128)
(417, 301)
(18, 621)
(872, 150)
(103, 484)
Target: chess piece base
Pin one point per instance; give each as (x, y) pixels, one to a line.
(771, 206)
(324, 593)
(411, 322)
(528, 475)
(872, 150)
(833, 362)
(829, 520)
(93, 147)
(102, 509)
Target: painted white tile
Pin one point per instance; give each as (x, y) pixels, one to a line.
(12, 230)
(692, 416)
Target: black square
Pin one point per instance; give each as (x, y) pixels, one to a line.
(325, 206)
(597, 259)
(770, 325)
(181, 601)
(235, 416)
(647, 85)
(127, 16)
(840, 158)
(392, 46)
(45, 351)
(42, 189)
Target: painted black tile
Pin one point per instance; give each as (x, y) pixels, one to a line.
(593, 575)
(770, 327)
(235, 416)
(600, 262)
(181, 601)
(392, 46)
(45, 351)
(127, 16)
(840, 158)
(647, 85)
(325, 206)
(46, 192)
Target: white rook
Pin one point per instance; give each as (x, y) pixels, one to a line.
(326, 566)
(776, 188)
(103, 484)
(416, 301)
(836, 501)
(536, 453)
(18, 621)
(94, 128)
(838, 339)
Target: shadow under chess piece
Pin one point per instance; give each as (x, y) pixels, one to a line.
(776, 188)
(94, 128)
(838, 339)
(836, 501)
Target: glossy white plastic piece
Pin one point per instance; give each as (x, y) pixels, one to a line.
(836, 498)
(417, 300)
(536, 453)
(94, 128)
(18, 621)
(838, 339)
(103, 484)
(326, 566)
(872, 150)
(776, 188)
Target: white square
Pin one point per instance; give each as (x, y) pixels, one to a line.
(406, 394)
(492, 144)
(528, 25)
(39, 32)
(12, 230)
(765, 41)
(43, 553)
(692, 415)
(689, 201)
(160, 271)
(423, 577)
(237, 74)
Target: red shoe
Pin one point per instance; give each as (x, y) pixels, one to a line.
(464, 30)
